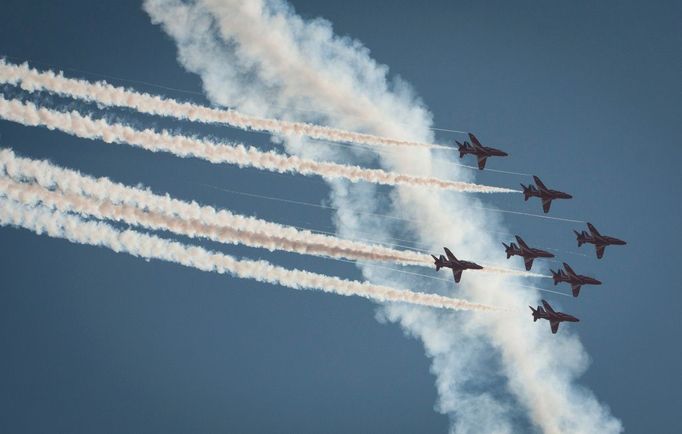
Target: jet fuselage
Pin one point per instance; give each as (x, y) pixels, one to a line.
(600, 241)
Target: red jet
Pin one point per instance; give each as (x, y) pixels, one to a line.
(455, 264)
(600, 241)
(540, 190)
(528, 253)
(575, 280)
(554, 317)
(480, 151)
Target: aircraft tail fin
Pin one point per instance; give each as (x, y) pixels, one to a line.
(508, 250)
(534, 313)
(581, 237)
(437, 262)
(527, 192)
(537, 312)
(462, 148)
(556, 276)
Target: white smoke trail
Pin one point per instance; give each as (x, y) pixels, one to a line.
(307, 243)
(105, 199)
(104, 93)
(83, 126)
(232, 230)
(266, 54)
(72, 228)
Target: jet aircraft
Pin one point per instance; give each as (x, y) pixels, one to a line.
(600, 241)
(545, 194)
(528, 253)
(455, 264)
(575, 280)
(554, 317)
(480, 151)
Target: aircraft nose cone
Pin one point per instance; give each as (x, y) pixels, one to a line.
(597, 282)
(568, 196)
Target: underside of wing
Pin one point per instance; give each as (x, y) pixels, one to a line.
(594, 230)
(539, 183)
(548, 308)
(546, 203)
(554, 325)
(458, 275)
(481, 161)
(600, 251)
(576, 290)
(529, 263)
(474, 141)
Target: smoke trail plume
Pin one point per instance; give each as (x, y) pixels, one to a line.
(105, 199)
(59, 225)
(261, 235)
(104, 93)
(260, 57)
(183, 146)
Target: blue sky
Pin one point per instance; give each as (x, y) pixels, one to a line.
(587, 96)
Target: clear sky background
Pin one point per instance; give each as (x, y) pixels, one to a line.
(586, 95)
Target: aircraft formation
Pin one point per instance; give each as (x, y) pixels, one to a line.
(529, 254)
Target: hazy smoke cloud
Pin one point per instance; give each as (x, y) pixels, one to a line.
(263, 59)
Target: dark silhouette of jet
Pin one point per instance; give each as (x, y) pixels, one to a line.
(455, 264)
(480, 151)
(600, 241)
(544, 193)
(576, 280)
(528, 253)
(554, 317)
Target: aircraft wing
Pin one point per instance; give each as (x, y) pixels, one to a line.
(457, 274)
(546, 203)
(521, 242)
(474, 141)
(594, 230)
(576, 290)
(449, 253)
(554, 325)
(539, 183)
(600, 250)
(529, 262)
(548, 308)
(481, 161)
